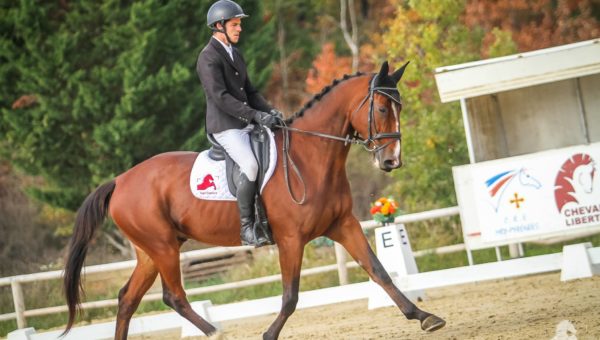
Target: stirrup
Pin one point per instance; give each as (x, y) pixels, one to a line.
(257, 240)
(245, 232)
(261, 238)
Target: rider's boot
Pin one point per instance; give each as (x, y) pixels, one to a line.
(261, 225)
(245, 198)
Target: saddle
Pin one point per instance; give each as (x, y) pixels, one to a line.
(260, 144)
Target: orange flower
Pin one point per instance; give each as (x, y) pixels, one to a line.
(386, 208)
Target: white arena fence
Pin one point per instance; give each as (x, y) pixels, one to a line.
(21, 313)
(575, 261)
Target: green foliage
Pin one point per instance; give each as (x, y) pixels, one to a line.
(503, 43)
(113, 83)
(429, 34)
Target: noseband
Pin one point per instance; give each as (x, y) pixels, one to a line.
(356, 139)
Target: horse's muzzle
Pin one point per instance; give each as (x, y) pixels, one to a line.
(390, 164)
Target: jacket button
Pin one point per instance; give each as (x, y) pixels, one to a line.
(245, 103)
(241, 89)
(237, 74)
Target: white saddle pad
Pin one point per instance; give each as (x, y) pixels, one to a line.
(208, 180)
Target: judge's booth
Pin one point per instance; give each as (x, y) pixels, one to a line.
(532, 123)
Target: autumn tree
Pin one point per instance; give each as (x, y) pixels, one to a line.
(428, 34)
(436, 33)
(327, 66)
(535, 24)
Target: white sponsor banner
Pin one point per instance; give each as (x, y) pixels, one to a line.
(529, 197)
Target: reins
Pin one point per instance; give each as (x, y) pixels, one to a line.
(365, 143)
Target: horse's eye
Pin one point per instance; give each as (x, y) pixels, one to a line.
(382, 109)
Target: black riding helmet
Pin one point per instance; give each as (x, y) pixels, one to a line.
(221, 11)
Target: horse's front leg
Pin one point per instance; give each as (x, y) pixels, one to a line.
(348, 233)
(290, 261)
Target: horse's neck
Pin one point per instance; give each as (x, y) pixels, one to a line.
(329, 116)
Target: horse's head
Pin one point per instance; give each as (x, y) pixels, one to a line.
(378, 122)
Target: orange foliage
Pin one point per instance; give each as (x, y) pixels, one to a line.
(326, 67)
(535, 24)
(25, 101)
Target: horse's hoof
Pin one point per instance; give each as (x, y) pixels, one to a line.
(432, 323)
(218, 335)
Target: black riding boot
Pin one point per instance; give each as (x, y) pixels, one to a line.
(245, 198)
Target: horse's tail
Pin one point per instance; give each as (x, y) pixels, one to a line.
(90, 215)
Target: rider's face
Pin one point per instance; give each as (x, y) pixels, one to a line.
(233, 28)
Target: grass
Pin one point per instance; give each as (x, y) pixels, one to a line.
(99, 287)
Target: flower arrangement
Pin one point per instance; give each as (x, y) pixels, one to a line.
(385, 210)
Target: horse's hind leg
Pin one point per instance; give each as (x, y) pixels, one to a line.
(131, 294)
(290, 261)
(167, 262)
(349, 233)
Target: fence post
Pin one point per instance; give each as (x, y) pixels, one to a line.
(340, 256)
(17, 293)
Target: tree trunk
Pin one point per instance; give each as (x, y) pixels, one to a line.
(282, 56)
(351, 40)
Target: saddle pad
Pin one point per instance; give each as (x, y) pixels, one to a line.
(208, 180)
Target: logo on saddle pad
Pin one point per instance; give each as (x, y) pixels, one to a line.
(208, 177)
(207, 182)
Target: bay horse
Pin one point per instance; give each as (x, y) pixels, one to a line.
(153, 206)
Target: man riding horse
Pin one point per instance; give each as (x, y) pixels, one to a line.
(151, 205)
(233, 105)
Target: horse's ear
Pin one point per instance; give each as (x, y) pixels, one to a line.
(385, 68)
(398, 74)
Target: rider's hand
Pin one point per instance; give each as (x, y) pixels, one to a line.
(276, 113)
(265, 119)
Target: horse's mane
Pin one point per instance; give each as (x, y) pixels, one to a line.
(563, 185)
(317, 97)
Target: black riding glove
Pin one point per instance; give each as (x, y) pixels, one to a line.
(276, 113)
(265, 119)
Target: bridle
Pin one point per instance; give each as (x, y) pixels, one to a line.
(356, 139)
(378, 135)
(368, 144)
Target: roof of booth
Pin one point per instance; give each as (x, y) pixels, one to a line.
(517, 71)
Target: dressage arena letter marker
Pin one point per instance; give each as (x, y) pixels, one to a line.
(396, 256)
(385, 239)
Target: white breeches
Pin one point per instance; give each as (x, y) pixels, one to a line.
(237, 145)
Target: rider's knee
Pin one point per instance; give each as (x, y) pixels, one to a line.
(251, 170)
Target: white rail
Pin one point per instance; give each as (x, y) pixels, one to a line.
(21, 313)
